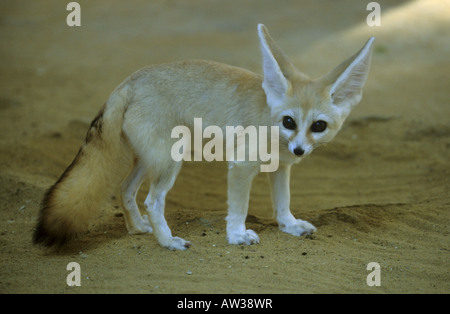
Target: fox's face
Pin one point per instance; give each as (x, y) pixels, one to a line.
(307, 120)
(310, 112)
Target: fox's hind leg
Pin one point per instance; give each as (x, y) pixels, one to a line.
(134, 221)
(161, 183)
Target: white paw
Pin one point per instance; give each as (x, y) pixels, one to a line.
(176, 243)
(147, 225)
(299, 228)
(141, 227)
(248, 237)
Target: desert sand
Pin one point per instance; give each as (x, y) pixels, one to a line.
(378, 193)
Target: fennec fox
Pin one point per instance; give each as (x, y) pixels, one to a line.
(131, 139)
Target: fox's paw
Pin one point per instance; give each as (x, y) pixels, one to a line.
(248, 237)
(142, 227)
(299, 228)
(176, 243)
(147, 226)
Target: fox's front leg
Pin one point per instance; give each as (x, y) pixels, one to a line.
(279, 185)
(240, 177)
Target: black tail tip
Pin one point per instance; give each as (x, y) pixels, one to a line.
(42, 236)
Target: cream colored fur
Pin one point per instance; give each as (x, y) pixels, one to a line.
(134, 143)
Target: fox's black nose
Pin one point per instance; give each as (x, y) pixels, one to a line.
(298, 151)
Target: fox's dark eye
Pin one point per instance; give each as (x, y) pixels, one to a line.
(318, 126)
(289, 123)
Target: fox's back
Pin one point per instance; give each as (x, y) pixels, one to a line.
(176, 93)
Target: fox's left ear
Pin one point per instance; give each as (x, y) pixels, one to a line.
(278, 70)
(345, 82)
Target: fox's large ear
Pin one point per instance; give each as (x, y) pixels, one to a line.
(346, 81)
(277, 69)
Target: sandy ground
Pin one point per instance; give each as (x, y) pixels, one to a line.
(378, 193)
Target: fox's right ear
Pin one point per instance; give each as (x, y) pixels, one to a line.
(277, 69)
(346, 81)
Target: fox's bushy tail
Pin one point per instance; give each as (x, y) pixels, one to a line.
(101, 163)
